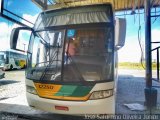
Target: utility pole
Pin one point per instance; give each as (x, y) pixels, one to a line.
(150, 93)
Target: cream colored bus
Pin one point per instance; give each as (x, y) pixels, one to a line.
(72, 60)
(10, 59)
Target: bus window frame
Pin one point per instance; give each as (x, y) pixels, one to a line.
(76, 26)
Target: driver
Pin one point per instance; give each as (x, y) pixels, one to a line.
(69, 49)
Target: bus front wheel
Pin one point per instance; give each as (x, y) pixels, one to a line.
(24, 66)
(11, 67)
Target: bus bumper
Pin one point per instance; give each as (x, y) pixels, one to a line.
(100, 106)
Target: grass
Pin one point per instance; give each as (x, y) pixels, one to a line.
(129, 65)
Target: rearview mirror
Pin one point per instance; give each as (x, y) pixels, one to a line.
(120, 32)
(20, 38)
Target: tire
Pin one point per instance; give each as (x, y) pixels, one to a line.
(24, 66)
(11, 67)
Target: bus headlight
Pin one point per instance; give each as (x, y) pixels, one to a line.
(31, 90)
(101, 94)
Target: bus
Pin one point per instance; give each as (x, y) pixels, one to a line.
(10, 59)
(72, 60)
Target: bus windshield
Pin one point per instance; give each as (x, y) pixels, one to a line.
(72, 55)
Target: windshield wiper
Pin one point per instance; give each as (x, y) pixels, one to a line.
(49, 64)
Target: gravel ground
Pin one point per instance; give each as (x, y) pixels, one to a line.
(130, 90)
(12, 85)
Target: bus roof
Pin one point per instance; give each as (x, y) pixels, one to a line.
(13, 51)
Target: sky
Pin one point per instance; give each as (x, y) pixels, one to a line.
(129, 53)
(27, 10)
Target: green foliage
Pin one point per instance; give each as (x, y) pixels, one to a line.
(129, 65)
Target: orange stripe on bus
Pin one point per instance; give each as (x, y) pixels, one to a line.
(49, 91)
(47, 88)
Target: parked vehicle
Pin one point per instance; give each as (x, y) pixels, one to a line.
(12, 60)
(72, 60)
